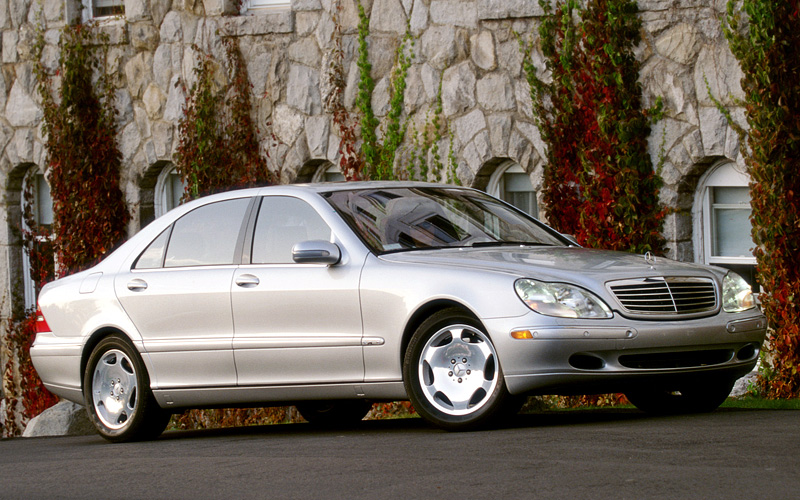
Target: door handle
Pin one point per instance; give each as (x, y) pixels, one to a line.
(137, 285)
(247, 281)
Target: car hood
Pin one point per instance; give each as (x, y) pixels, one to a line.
(570, 264)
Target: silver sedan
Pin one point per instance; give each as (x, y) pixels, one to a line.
(335, 296)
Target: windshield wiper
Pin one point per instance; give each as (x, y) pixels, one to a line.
(480, 244)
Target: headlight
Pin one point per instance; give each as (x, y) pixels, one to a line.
(560, 299)
(737, 295)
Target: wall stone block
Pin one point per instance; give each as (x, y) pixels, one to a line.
(504, 9)
(302, 92)
(21, 110)
(499, 133)
(305, 51)
(454, 13)
(680, 43)
(458, 89)
(482, 50)
(388, 15)
(469, 125)
(495, 93)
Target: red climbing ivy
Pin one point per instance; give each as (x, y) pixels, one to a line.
(84, 160)
(89, 213)
(767, 45)
(599, 180)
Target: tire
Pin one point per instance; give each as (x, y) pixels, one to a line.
(334, 413)
(452, 373)
(700, 396)
(117, 394)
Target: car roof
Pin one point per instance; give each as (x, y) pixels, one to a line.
(327, 187)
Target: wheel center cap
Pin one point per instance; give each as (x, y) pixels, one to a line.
(460, 370)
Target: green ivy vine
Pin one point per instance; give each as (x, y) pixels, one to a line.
(764, 37)
(599, 181)
(218, 146)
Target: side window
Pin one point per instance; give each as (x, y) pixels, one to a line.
(207, 236)
(265, 4)
(40, 205)
(722, 221)
(169, 191)
(153, 256)
(282, 222)
(513, 185)
(102, 8)
(328, 173)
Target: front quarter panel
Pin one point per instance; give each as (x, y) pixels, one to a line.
(392, 292)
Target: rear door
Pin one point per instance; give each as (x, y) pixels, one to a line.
(178, 296)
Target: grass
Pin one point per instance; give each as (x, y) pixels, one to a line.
(756, 403)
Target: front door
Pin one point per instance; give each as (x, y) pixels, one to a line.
(295, 323)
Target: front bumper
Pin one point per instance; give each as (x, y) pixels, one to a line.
(617, 355)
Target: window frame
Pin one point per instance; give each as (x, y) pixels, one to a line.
(725, 173)
(320, 175)
(496, 185)
(28, 285)
(251, 6)
(87, 12)
(161, 199)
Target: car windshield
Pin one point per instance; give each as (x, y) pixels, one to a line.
(408, 218)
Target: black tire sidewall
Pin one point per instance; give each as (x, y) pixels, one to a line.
(486, 414)
(148, 420)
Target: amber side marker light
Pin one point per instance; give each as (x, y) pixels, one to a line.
(41, 323)
(521, 334)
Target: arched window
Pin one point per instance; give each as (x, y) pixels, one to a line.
(328, 172)
(512, 184)
(168, 191)
(722, 220)
(41, 207)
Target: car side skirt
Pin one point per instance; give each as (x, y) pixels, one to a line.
(276, 395)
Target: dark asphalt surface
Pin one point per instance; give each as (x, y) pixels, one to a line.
(729, 454)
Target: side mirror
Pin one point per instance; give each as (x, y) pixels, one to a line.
(316, 252)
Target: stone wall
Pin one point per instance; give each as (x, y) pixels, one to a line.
(468, 45)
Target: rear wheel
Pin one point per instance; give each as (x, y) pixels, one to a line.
(117, 393)
(700, 396)
(452, 374)
(334, 413)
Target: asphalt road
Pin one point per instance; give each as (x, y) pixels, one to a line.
(748, 454)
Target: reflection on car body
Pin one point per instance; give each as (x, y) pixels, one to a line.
(334, 296)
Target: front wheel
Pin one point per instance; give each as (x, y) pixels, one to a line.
(700, 396)
(452, 373)
(117, 393)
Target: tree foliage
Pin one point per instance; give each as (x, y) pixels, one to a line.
(599, 180)
(766, 41)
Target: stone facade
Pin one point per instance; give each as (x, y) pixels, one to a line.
(467, 46)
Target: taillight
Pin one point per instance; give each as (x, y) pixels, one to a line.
(41, 323)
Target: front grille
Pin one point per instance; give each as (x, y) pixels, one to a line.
(666, 296)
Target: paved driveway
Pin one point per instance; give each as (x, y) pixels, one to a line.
(615, 454)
